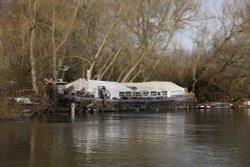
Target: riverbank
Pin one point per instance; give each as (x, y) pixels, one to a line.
(8, 110)
(20, 108)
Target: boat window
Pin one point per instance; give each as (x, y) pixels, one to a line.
(153, 93)
(137, 94)
(128, 94)
(145, 93)
(122, 94)
(164, 93)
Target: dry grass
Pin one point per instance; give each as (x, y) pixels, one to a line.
(8, 109)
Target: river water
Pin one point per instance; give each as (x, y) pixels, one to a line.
(219, 138)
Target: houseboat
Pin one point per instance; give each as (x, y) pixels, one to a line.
(114, 96)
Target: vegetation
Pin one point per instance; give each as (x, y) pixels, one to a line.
(7, 110)
(128, 41)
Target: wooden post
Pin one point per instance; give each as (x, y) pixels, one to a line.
(188, 106)
(72, 110)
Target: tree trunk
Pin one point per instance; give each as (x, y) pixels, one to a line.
(31, 46)
(32, 61)
(108, 65)
(194, 71)
(131, 70)
(54, 63)
(137, 74)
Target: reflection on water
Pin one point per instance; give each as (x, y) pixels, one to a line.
(193, 138)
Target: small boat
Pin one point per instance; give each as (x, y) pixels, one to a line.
(214, 105)
(222, 105)
(202, 106)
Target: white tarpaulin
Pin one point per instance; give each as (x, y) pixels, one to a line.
(92, 87)
(168, 89)
(113, 87)
(78, 85)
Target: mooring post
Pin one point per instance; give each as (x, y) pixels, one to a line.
(188, 106)
(72, 110)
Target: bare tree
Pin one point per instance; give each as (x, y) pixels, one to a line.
(221, 56)
(156, 27)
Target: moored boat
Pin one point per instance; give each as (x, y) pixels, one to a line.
(214, 105)
(106, 95)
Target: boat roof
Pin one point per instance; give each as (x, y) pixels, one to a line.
(77, 84)
(155, 86)
(116, 86)
(93, 84)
